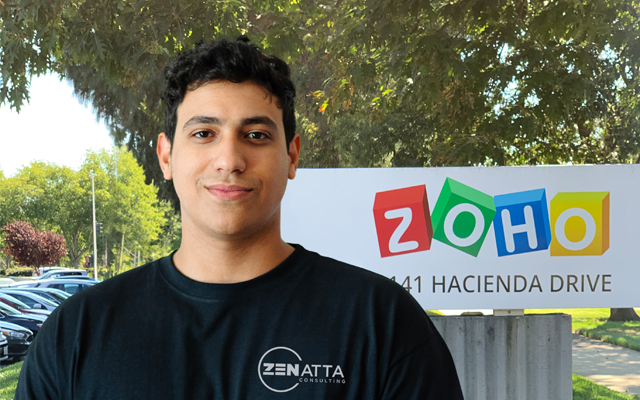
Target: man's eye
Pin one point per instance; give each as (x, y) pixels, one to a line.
(257, 135)
(202, 134)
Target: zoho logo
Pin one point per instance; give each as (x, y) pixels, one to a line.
(573, 224)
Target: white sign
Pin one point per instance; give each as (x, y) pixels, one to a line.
(487, 237)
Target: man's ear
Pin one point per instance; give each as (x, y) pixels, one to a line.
(163, 149)
(294, 155)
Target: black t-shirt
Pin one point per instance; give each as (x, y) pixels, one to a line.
(311, 328)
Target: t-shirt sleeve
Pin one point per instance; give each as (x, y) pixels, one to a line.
(38, 379)
(426, 373)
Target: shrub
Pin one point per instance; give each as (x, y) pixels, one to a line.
(19, 271)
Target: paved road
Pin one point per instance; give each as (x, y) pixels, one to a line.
(613, 366)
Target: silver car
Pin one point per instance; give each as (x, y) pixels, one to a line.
(31, 299)
(55, 295)
(71, 286)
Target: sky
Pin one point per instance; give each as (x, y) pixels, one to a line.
(54, 127)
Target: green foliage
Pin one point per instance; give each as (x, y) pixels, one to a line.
(584, 389)
(625, 334)
(9, 380)
(579, 316)
(592, 322)
(18, 271)
(59, 199)
(380, 83)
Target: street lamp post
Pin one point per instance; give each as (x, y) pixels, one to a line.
(95, 239)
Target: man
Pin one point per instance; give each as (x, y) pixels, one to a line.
(237, 313)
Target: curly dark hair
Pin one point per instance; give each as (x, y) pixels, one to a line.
(231, 60)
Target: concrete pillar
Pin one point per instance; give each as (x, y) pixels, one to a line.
(510, 357)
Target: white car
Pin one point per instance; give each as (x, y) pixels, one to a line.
(31, 299)
(61, 272)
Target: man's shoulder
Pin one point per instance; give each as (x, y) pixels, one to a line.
(123, 286)
(356, 281)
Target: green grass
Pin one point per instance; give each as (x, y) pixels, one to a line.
(9, 380)
(592, 322)
(584, 389)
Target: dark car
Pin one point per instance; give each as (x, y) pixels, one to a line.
(31, 322)
(18, 338)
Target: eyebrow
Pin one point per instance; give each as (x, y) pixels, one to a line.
(260, 120)
(257, 120)
(202, 119)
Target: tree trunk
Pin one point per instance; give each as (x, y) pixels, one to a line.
(121, 250)
(623, 314)
(74, 252)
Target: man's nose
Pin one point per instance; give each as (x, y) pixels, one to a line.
(229, 155)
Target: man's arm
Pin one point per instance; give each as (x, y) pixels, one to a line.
(38, 377)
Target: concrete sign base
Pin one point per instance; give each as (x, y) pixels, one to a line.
(510, 357)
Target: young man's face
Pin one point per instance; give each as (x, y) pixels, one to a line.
(229, 161)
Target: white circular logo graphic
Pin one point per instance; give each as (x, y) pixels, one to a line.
(589, 234)
(478, 229)
(273, 369)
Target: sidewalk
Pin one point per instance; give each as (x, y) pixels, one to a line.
(606, 364)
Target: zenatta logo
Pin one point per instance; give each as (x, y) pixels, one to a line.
(281, 370)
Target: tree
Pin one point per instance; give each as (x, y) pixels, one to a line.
(381, 83)
(132, 215)
(623, 314)
(29, 247)
(58, 198)
(422, 83)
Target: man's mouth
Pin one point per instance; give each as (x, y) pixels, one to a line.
(228, 192)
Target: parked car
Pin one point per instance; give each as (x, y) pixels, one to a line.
(20, 306)
(61, 272)
(4, 347)
(84, 278)
(55, 295)
(44, 270)
(6, 282)
(18, 338)
(21, 284)
(71, 286)
(32, 322)
(31, 299)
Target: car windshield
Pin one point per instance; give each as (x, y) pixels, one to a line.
(55, 297)
(33, 297)
(43, 300)
(17, 303)
(9, 310)
(60, 296)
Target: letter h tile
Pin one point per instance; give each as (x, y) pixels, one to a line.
(521, 224)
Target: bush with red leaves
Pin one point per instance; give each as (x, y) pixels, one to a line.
(29, 247)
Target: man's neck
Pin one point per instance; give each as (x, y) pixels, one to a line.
(220, 260)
